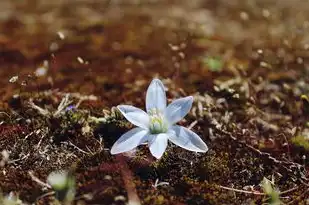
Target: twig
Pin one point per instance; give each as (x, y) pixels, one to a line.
(242, 191)
(63, 104)
(28, 135)
(38, 145)
(19, 159)
(39, 109)
(127, 176)
(79, 149)
(288, 146)
(289, 190)
(157, 184)
(37, 180)
(44, 195)
(79, 102)
(192, 124)
(5, 114)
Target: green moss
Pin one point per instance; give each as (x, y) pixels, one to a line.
(215, 167)
(156, 200)
(272, 192)
(214, 64)
(301, 141)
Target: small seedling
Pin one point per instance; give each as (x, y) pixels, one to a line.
(271, 191)
(10, 199)
(214, 64)
(63, 183)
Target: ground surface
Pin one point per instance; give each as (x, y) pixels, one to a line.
(245, 62)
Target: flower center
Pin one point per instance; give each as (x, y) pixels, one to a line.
(158, 122)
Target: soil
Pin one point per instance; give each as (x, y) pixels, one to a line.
(245, 62)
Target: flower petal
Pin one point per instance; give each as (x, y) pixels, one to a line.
(129, 140)
(178, 109)
(155, 96)
(158, 144)
(135, 115)
(186, 139)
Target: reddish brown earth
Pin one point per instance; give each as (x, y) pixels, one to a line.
(252, 112)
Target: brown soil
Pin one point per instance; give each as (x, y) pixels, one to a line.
(251, 110)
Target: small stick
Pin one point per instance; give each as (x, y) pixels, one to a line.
(258, 193)
(19, 159)
(289, 190)
(288, 146)
(45, 195)
(38, 145)
(37, 180)
(242, 191)
(127, 176)
(79, 149)
(192, 124)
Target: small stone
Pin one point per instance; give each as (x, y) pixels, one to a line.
(13, 79)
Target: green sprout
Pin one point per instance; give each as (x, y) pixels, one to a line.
(63, 183)
(10, 199)
(271, 191)
(301, 141)
(214, 64)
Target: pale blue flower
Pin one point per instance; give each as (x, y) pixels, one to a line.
(157, 126)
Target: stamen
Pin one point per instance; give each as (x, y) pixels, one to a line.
(158, 122)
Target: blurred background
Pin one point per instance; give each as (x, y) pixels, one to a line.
(107, 44)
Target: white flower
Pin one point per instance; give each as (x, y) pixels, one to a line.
(157, 126)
